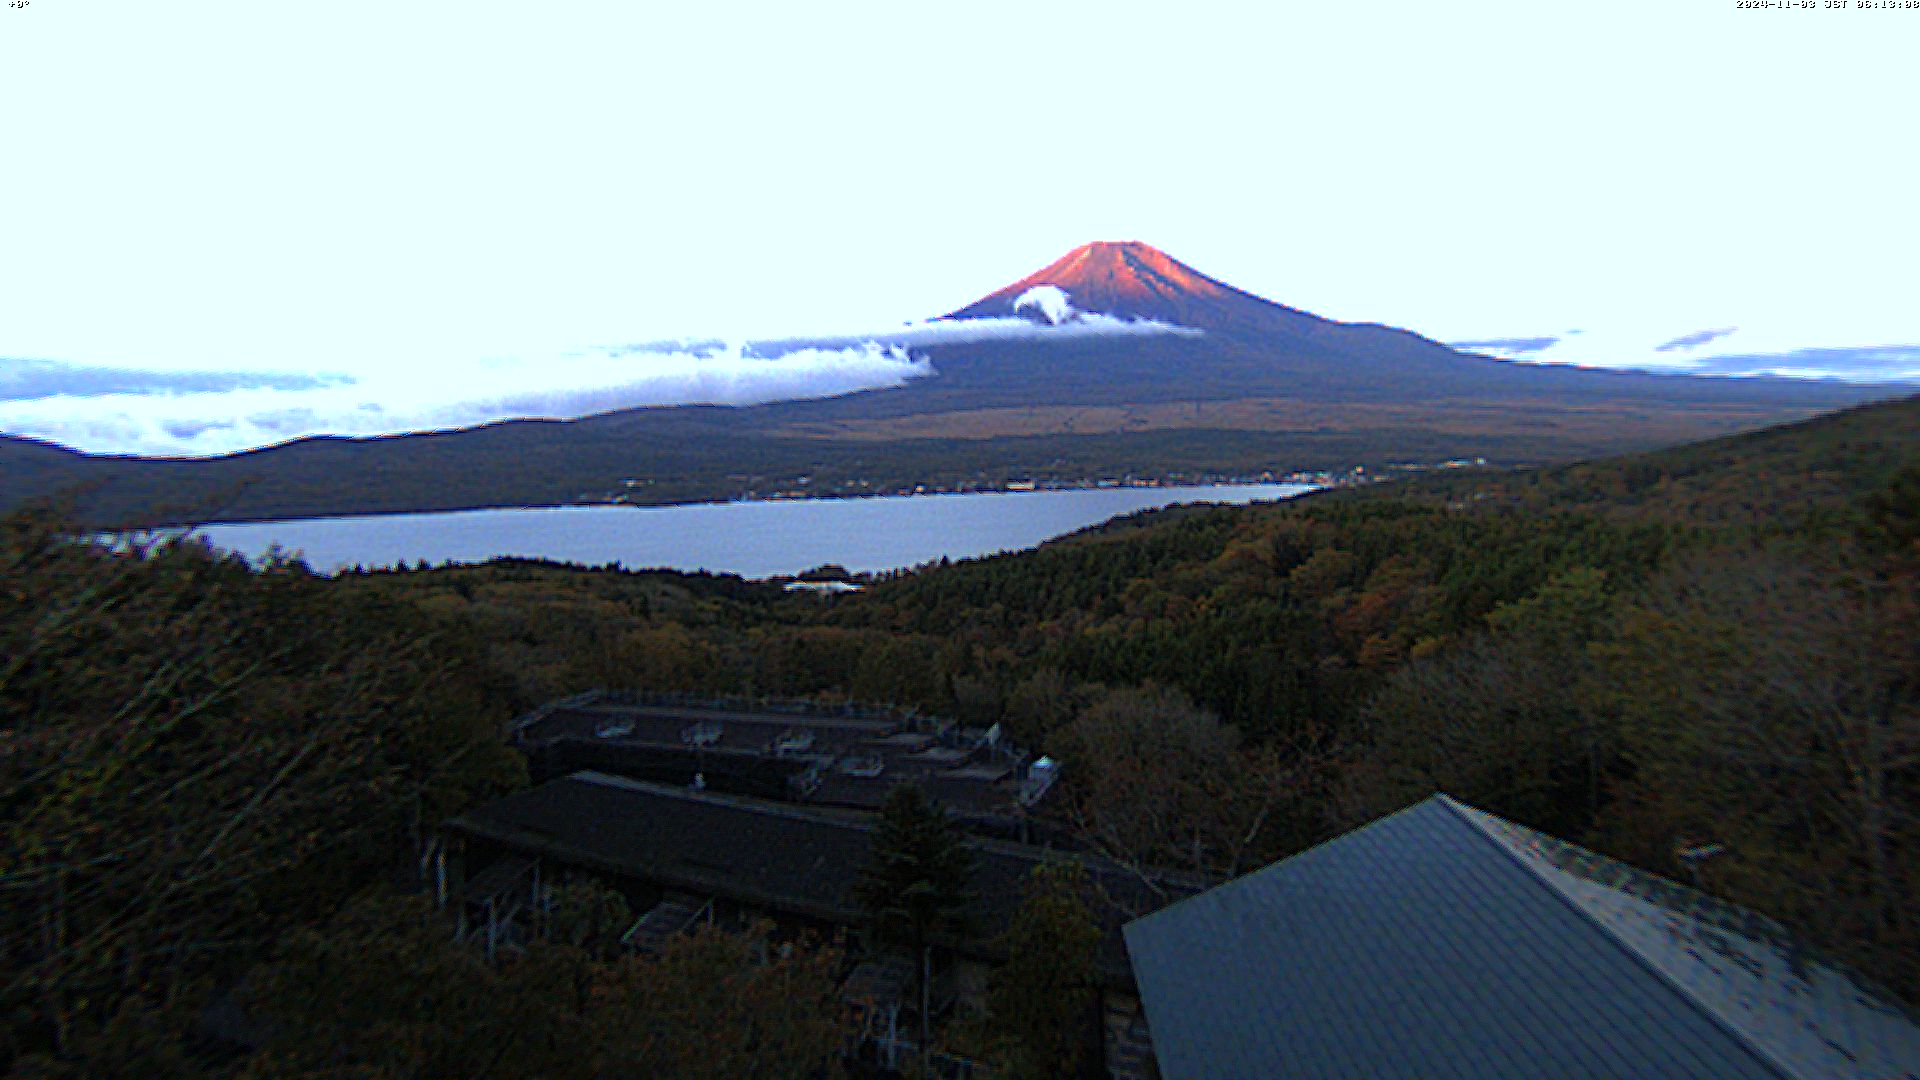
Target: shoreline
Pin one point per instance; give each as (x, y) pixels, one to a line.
(1354, 476)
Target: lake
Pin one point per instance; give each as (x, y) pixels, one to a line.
(752, 539)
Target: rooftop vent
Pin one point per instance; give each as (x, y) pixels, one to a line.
(1040, 777)
(805, 783)
(792, 741)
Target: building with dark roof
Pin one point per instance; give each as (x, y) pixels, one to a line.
(822, 755)
(781, 859)
(1442, 941)
(683, 855)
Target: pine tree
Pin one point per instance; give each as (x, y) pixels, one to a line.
(917, 881)
(1044, 995)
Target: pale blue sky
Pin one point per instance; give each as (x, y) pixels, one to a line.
(370, 188)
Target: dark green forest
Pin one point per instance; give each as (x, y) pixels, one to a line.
(216, 776)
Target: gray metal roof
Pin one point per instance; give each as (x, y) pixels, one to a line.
(786, 858)
(1442, 941)
(647, 741)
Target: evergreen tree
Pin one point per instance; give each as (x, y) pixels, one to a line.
(1045, 994)
(196, 756)
(586, 914)
(916, 882)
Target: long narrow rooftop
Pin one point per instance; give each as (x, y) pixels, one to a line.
(845, 756)
(790, 859)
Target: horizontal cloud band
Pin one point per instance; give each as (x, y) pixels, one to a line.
(172, 415)
(565, 387)
(1507, 346)
(26, 380)
(1694, 340)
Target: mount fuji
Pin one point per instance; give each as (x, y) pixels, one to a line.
(1115, 359)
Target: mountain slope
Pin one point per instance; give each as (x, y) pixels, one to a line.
(1253, 385)
(1252, 348)
(1622, 651)
(1803, 475)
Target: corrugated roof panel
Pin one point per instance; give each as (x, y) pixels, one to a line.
(1413, 947)
(1808, 1015)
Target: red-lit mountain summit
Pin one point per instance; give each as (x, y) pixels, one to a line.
(1132, 280)
(1248, 345)
(1124, 278)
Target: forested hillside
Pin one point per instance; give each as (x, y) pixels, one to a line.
(211, 772)
(1815, 474)
(216, 780)
(1714, 642)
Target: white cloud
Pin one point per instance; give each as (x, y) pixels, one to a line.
(1081, 324)
(67, 404)
(1735, 351)
(1050, 300)
(414, 399)
(70, 408)
(1063, 321)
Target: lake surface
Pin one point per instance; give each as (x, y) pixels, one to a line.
(752, 539)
